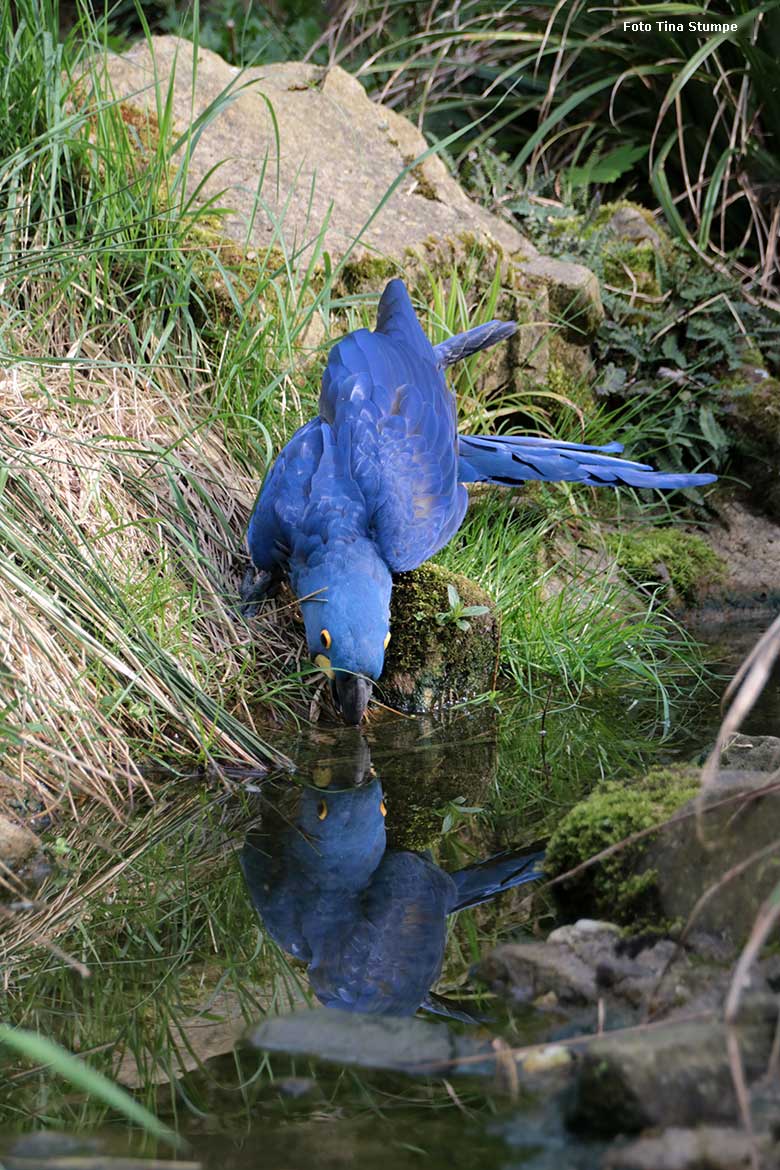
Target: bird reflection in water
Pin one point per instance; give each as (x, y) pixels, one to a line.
(369, 921)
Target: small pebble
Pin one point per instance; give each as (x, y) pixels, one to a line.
(544, 1059)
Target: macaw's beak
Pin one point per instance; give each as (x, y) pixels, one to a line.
(351, 693)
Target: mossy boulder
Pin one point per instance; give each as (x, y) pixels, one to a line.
(750, 406)
(573, 293)
(435, 658)
(681, 564)
(619, 888)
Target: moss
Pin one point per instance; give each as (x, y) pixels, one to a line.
(422, 184)
(632, 267)
(618, 888)
(430, 664)
(366, 272)
(568, 372)
(679, 561)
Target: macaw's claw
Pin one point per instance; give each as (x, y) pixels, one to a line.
(256, 586)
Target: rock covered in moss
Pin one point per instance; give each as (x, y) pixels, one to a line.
(435, 658)
(750, 406)
(681, 563)
(730, 854)
(620, 888)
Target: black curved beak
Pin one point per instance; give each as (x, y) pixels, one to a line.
(351, 693)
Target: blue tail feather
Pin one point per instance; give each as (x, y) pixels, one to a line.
(463, 345)
(513, 459)
(481, 882)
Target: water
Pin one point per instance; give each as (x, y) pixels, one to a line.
(355, 912)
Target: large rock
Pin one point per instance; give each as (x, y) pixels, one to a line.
(408, 1045)
(687, 864)
(336, 173)
(657, 881)
(329, 156)
(677, 1073)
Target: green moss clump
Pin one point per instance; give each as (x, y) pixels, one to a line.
(632, 267)
(432, 663)
(618, 888)
(366, 272)
(670, 556)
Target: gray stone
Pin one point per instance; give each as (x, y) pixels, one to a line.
(748, 545)
(686, 866)
(755, 753)
(628, 223)
(588, 962)
(707, 1147)
(408, 1045)
(524, 972)
(676, 1073)
(574, 296)
(338, 155)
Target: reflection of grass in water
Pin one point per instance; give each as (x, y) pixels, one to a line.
(158, 914)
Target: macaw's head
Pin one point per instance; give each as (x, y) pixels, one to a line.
(347, 617)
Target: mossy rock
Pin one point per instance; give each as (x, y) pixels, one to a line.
(681, 563)
(432, 662)
(618, 889)
(750, 405)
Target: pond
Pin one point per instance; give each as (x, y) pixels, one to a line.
(161, 964)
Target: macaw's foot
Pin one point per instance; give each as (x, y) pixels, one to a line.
(257, 586)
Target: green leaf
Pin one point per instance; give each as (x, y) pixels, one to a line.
(453, 595)
(607, 169)
(474, 610)
(712, 431)
(71, 1068)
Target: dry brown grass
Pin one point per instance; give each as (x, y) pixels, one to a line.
(120, 526)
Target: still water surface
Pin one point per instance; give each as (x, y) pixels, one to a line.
(381, 871)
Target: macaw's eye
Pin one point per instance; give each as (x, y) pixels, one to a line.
(383, 808)
(322, 810)
(326, 639)
(387, 639)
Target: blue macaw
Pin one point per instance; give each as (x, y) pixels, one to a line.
(374, 485)
(370, 922)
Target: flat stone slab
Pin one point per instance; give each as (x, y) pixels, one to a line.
(315, 145)
(404, 1044)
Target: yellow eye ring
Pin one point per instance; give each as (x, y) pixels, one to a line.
(322, 810)
(326, 639)
(387, 639)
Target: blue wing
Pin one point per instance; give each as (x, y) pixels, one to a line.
(388, 390)
(387, 964)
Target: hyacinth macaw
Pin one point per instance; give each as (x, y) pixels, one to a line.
(374, 485)
(370, 922)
